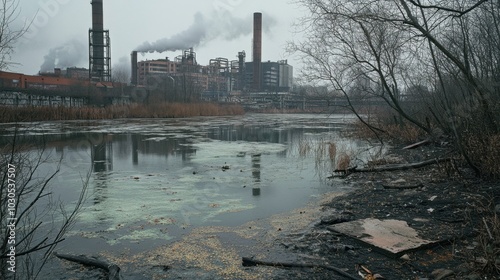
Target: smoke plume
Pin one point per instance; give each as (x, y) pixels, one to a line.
(67, 55)
(205, 29)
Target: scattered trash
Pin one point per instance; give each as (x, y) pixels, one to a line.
(442, 273)
(393, 237)
(367, 274)
(241, 154)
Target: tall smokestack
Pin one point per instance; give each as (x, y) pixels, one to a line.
(257, 50)
(99, 45)
(241, 68)
(97, 15)
(133, 58)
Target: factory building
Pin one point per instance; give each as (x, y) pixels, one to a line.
(53, 82)
(274, 76)
(212, 77)
(220, 76)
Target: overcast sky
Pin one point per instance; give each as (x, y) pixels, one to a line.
(58, 35)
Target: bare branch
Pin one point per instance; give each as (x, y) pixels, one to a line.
(458, 13)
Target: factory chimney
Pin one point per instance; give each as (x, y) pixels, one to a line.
(241, 67)
(257, 50)
(97, 15)
(99, 49)
(133, 58)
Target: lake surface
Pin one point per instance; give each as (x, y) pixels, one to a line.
(150, 180)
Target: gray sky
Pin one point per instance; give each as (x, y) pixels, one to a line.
(58, 35)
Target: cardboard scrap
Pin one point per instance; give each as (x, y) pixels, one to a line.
(392, 236)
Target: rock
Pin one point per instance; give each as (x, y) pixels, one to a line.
(439, 274)
(334, 219)
(405, 257)
(473, 277)
(339, 247)
(497, 209)
(398, 181)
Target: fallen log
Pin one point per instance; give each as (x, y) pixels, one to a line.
(252, 262)
(395, 167)
(402, 187)
(112, 269)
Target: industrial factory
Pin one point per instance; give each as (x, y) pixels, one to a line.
(221, 76)
(179, 79)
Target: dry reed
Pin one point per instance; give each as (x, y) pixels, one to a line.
(332, 151)
(343, 162)
(484, 151)
(162, 110)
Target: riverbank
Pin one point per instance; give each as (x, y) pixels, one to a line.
(454, 211)
(10, 114)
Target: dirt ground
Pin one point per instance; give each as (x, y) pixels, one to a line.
(444, 203)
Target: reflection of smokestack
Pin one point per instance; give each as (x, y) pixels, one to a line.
(257, 49)
(133, 57)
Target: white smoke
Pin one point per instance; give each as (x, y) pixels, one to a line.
(121, 70)
(67, 55)
(205, 29)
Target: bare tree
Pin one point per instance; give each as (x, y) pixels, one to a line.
(30, 229)
(380, 49)
(34, 222)
(9, 12)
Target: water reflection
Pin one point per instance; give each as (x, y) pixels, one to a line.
(256, 174)
(168, 173)
(135, 149)
(102, 157)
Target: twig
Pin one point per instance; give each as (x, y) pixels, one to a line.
(487, 229)
(402, 187)
(418, 144)
(394, 167)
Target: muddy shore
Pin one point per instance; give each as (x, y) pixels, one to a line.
(444, 203)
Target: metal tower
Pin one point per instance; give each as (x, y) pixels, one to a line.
(99, 46)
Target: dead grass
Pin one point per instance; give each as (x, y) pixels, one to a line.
(304, 148)
(489, 254)
(484, 151)
(406, 133)
(343, 162)
(486, 256)
(161, 110)
(332, 151)
(328, 154)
